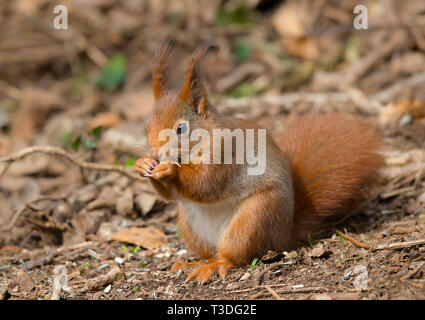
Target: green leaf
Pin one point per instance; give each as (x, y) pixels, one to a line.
(243, 50)
(90, 144)
(137, 249)
(354, 48)
(253, 263)
(242, 15)
(96, 132)
(76, 143)
(341, 237)
(309, 240)
(130, 162)
(245, 89)
(179, 234)
(114, 74)
(66, 139)
(124, 248)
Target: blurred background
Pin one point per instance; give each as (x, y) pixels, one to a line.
(87, 89)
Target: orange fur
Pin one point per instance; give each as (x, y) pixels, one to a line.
(334, 162)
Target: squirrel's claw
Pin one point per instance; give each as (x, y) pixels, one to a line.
(164, 171)
(204, 273)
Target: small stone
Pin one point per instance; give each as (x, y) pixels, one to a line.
(232, 286)
(297, 286)
(405, 119)
(246, 276)
(119, 260)
(347, 275)
(181, 252)
(107, 289)
(361, 279)
(3, 293)
(103, 266)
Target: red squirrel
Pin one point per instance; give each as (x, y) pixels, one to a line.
(321, 167)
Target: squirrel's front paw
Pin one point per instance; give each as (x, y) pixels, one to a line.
(164, 171)
(145, 166)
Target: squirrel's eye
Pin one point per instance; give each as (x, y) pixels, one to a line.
(182, 128)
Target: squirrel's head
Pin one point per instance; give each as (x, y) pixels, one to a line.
(176, 111)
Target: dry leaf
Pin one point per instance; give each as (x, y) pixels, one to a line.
(145, 202)
(135, 106)
(393, 112)
(320, 252)
(149, 238)
(34, 107)
(105, 120)
(22, 284)
(289, 20)
(306, 47)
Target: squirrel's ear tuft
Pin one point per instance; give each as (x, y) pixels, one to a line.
(161, 60)
(192, 91)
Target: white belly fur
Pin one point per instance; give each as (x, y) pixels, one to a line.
(209, 220)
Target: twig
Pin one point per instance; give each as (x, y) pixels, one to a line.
(399, 245)
(267, 269)
(256, 295)
(285, 291)
(98, 282)
(362, 101)
(59, 282)
(392, 91)
(397, 192)
(4, 168)
(273, 293)
(238, 75)
(412, 273)
(54, 151)
(382, 50)
(355, 241)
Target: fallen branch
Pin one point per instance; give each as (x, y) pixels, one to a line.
(254, 296)
(54, 151)
(59, 282)
(285, 291)
(399, 245)
(101, 281)
(273, 293)
(353, 240)
(380, 52)
(395, 89)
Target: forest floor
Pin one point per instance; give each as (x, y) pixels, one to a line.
(87, 91)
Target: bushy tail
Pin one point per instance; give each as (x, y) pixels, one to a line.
(335, 161)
